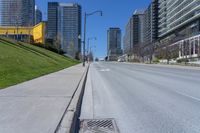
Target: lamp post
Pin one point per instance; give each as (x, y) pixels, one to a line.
(88, 45)
(85, 24)
(91, 56)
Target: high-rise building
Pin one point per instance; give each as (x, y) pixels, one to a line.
(128, 37)
(52, 24)
(38, 16)
(134, 36)
(64, 25)
(177, 15)
(17, 12)
(151, 23)
(114, 43)
(69, 28)
(150, 30)
(179, 27)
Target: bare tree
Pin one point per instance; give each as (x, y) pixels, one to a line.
(15, 17)
(57, 43)
(29, 30)
(198, 52)
(71, 48)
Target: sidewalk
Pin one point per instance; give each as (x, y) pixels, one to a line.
(37, 106)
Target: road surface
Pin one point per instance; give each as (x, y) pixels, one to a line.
(144, 98)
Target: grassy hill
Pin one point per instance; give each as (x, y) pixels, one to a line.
(20, 62)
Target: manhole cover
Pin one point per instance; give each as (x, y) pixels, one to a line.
(99, 126)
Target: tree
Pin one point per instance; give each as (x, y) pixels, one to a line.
(16, 16)
(57, 43)
(71, 48)
(198, 52)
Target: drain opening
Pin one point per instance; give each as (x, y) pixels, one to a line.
(99, 126)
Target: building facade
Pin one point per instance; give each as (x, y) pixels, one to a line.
(171, 30)
(134, 34)
(128, 37)
(69, 28)
(151, 23)
(12, 12)
(64, 26)
(52, 24)
(114, 43)
(151, 18)
(38, 16)
(31, 34)
(178, 14)
(179, 21)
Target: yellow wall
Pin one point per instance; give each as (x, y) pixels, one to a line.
(38, 32)
(14, 30)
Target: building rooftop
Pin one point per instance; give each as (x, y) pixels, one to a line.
(111, 28)
(138, 12)
(68, 4)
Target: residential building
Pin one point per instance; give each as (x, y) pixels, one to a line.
(13, 12)
(178, 15)
(38, 16)
(151, 23)
(134, 35)
(150, 30)
(114, 43)
(128, 37)
(171, 30)
(64, 26)
(179, 21)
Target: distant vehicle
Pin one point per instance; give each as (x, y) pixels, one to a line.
(120, 60)
(96, 59)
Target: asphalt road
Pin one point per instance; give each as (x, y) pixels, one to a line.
(144, 98)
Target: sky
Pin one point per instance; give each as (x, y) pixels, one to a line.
(116, 13)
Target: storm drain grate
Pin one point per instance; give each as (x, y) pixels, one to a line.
(99, 126)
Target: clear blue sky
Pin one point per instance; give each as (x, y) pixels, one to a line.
(116, 13)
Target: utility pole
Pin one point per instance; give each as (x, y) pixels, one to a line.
(85, 24)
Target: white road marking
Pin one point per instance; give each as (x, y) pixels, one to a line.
(189, 96)
(104, 70)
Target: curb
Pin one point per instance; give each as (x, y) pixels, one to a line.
(169, 65)
(70, 120)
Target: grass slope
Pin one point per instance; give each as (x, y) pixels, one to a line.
(20, 62)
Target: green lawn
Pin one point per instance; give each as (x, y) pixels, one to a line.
(20, 62)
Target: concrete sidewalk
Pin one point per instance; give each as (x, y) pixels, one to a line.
(37, 106)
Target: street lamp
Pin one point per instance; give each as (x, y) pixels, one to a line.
(91, 54)
(85, 21)
(92, 47)
(88, 45)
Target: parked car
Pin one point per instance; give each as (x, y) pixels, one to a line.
(120, 60)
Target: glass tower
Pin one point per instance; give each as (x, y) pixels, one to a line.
(69, 28)
(64, 26)
(114, 43)
(38, 16)
(17, 12)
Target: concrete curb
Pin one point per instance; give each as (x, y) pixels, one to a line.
(69, 122)
(168, 65)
